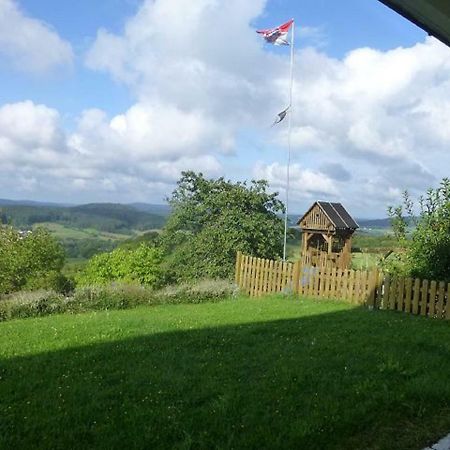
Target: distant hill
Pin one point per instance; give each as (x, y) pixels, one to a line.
(108, 217)
(6, 202)
(374, 223)
(162, 210)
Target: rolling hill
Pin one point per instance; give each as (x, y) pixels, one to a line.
(107, 217)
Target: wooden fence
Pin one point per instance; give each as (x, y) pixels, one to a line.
(258, 277)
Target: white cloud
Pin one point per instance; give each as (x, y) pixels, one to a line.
(29, 44)
(122, 156)
(304, 184)
(365, 127)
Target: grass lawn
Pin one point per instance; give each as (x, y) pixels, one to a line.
(268, 373)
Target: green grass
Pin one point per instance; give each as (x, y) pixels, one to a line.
(60, 231)
(268, 373)
(365, 261)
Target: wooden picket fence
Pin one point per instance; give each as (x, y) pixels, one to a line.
(257, 277)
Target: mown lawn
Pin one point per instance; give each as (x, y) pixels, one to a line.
(271, 373)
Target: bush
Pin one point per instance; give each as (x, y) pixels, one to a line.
(50, 281)
(31, 304)
(141, 265)
(111, 296)
(427, 252)
(28, 257)
(200, 292)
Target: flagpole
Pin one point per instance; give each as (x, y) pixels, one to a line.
(289, 141)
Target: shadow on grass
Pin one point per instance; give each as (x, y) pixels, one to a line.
(344, 380)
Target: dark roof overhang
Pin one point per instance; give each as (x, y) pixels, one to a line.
(433, 16)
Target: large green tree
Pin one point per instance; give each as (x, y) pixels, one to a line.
(214, 218)
(427, 252)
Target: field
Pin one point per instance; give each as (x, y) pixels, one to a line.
(267, 373)
(62, 232)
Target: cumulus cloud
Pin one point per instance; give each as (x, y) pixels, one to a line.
(305, 184)
(103, 156)
(29, 44)
(365, 126)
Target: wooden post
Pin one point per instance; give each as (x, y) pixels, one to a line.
(447, 312)
(251, 280)
(416, 296)
(400, 293)
(296, 277)
(237, 274)
(393, 293)
(440, 303)
(387, 289)
(271, 276)
(423, 299)
(372, 288)
(432, 303)
(244, 278)
(408, 294)
(380, 284)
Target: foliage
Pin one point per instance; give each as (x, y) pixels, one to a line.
(87, 248)
(149, 238)
(212, 219)
(111, 296)
(29, 259)
(102, 216)
(141, 265)
(198, 292)
(246, 374)
(427, 252)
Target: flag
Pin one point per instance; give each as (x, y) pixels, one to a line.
(278, 35)
(281, 116)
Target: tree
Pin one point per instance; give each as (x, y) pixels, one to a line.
(213, 219)
(29, 260)
(428, 249)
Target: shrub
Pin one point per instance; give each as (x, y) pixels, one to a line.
(24, 258)
(427, 252)
(31, 304)
(200, 292)
(50, 281)
(141, 265)
(111, 296)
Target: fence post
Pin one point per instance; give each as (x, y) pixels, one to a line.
(432, 308)
(416, 296)
(424, 298)
(408, 294)
(237, 274)
(372, 285)
(447, 312)
(440, 303)
(296, 277)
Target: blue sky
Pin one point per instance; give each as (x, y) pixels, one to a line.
(110, 100)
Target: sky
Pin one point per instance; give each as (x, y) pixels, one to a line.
(108, 101)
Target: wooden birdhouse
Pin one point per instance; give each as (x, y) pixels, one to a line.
(327, 230)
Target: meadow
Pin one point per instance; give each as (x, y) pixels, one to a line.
(276, 372)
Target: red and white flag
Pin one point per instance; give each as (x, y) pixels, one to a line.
(278, 35)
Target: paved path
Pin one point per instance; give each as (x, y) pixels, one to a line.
(443, 444)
